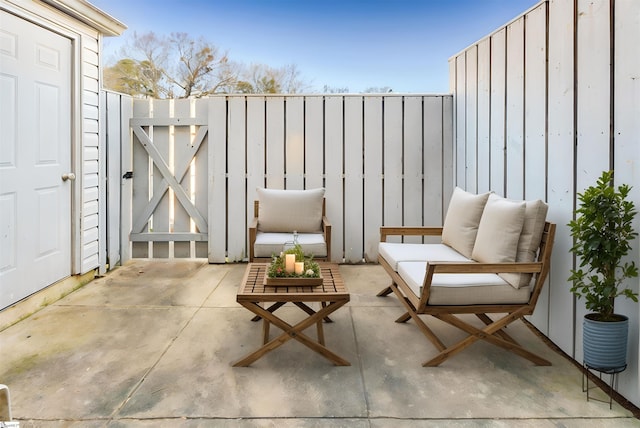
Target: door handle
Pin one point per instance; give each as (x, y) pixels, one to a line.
(68, 176)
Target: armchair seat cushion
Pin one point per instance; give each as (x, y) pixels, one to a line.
(394, 253)
(462, 289)
(268, 244)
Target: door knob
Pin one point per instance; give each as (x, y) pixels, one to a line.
(68, 176)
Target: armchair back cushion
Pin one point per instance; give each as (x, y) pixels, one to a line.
(289, 210)
(461, 223)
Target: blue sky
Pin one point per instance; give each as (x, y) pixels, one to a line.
(357, 44)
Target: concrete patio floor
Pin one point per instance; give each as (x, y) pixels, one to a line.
(152, 343)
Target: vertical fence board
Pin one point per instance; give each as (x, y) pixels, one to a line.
(471, 106)
(627, 154)
(392, 144)
(448, 154)
(314, 142)
(514, 180)
(161, 137)
(294, 134)
(334, 129)
(498, 100)
(433, 160)
(560, 169)
(373, 176)
(183, 136)
(592, 109)
(236, 174)
(126, 161)
(275, 143)
(535, 162)
(461, 121)
(140, 169)
(593, 91)
(255, 152)
(353, 195)
(201, 182)
(535, 104)
(484, 116)
(413, 144)
(217, 178)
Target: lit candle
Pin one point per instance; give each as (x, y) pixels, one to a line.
(289, 263)
(299, 268)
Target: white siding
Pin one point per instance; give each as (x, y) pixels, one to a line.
(88, 162)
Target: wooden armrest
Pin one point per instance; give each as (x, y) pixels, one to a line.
(475, 267)
(254, 223)
(253, 231)
(326, 228)
(409, 231)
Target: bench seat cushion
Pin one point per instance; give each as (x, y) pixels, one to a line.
(462, 289)
(269, 244)
(394, 253)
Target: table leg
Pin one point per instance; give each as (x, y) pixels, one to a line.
(272, 308)
(309, 310)
(295, 332)
(265, 331)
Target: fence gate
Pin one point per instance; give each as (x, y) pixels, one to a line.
(169, 212)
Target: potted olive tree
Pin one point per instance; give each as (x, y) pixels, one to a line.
(602, 232)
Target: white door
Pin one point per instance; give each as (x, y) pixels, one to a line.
(35, 151)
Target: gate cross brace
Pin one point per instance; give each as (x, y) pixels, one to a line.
(168, 180)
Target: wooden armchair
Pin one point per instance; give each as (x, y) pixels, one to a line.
(462, 285)
(280, 213)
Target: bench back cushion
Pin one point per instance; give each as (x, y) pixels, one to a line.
(535, 215)
(289, 210)
(499, 231)
(461, 223)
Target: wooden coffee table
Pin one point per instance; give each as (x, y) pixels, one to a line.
(252, 293)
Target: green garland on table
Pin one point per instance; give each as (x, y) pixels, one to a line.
(276, 268)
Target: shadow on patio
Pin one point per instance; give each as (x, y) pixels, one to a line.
(152, 343)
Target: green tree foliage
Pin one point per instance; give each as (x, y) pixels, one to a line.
(179, 66)
(262, 79)
(176, 66)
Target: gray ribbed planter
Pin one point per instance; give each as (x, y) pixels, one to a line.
(605, 343)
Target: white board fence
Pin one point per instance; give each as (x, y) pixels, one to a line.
(195, 165)
(542, 106)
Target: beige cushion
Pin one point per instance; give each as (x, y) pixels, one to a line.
(289, 210)
(395, 252)
(462, 220)
(462, 289)
(270, 244)
(535, 215)
(499, 231)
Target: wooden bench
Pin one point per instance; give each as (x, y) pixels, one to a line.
(437, 280)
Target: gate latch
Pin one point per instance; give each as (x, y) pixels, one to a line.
(128, 174)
